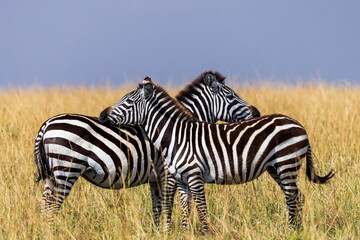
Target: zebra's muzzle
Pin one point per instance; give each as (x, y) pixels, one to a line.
(255, 113)
(104, 115)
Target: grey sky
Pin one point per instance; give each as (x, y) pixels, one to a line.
(88, 42)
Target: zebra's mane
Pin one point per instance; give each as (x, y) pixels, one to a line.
(164, 94)
(190, 88)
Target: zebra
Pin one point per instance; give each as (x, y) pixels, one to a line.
(208, 99)
(68, 146)
(197, 152)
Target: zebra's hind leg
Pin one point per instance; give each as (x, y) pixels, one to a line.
(55, 192)
(185, 198)
(274, 176)
(294, 201)
(196, 185)
(48, 201)
(155, 190)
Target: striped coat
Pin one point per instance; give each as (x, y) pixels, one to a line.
(68, 146)
(197, 152)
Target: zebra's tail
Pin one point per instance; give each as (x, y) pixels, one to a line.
(39, 155)
(310, 171)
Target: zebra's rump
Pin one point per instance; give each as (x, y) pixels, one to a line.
(106, 156)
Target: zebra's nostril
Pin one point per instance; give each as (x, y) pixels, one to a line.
(255, 112)
(103, 115)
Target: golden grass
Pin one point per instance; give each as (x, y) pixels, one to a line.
(256, 210)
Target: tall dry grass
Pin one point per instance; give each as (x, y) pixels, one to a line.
(256, 210)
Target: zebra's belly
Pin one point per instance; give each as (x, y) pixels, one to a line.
(229, 178)
(114, 180)
(102, 170)
(112, 162)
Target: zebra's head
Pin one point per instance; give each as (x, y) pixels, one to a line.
(130, 109)
(210, 100)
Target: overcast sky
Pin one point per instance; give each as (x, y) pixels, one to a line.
(88, 42)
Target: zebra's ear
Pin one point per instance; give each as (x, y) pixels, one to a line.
(147, 80)
(148, 90)
(211, 81)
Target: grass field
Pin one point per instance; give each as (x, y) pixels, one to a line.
(256, 210)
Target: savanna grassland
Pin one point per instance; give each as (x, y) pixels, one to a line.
(256, 210)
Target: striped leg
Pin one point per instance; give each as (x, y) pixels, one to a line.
(169, 190)
(275, 176)
(155, 190)
(196, 185)
(294, 198)
(185, 198)
(48, 201)
(55, 193)
(294, 201)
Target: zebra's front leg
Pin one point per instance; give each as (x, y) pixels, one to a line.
(155, 189)
(196, 185)
(185, 198)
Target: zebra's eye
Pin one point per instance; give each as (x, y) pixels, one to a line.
(215, 90)
(230, 96)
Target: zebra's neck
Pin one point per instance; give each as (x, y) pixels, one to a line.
(195, 98)
(163, 116)
(198, 109)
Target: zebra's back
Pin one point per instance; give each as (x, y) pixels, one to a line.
(240, 152)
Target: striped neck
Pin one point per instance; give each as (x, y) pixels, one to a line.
(162, 114)
(198, 107)
(197, 98)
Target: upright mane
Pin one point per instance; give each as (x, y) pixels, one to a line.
(190, 88)
(163, 93)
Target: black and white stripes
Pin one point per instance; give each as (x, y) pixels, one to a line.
(68, 146)
(198, 152)
(208, 99)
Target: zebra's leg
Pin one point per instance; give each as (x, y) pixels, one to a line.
(169, 190)
(56, 190)
(196, 185)
(294, 200)
(275, 176)
(155, 190)
(185, 198)
(48, 201)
